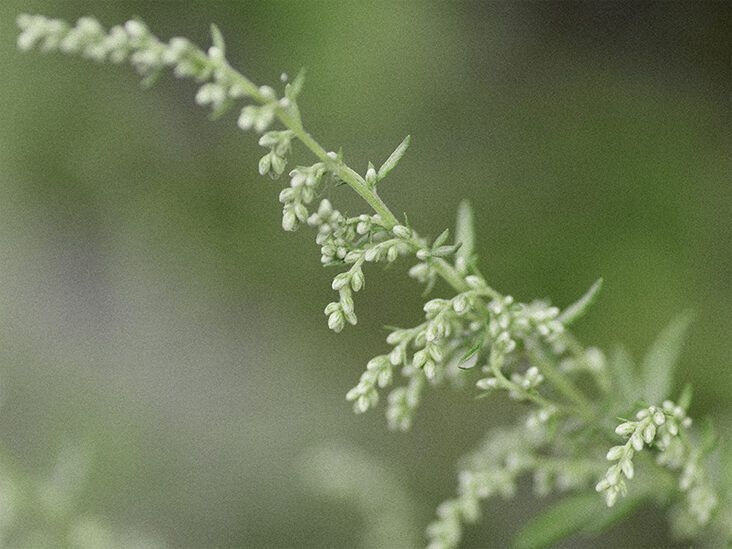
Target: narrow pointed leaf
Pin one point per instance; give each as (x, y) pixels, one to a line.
(465, 232)
(612, 515)
(657, 369)
(218, 39)
(579, 307)
(626, 382)
(293, 89)
(444, 251)
(685, 397)
(477, 346)
(561, 520)
(221, 110)
(578, 514)
(394, 159)
(440, 240)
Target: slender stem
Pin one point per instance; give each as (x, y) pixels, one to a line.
(451, 275)
(556, 378)
(528, 395)
(444, 269)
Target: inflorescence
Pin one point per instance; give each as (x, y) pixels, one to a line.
(525, 350)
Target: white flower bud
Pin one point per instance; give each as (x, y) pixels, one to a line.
(649, 432)
(396, 356)
(371, 176)
(136, 29)
(419, 358)
(341, 280)
(289, 220)
(430, 370)
(637, 441)
(372, 254)
(400, 231)
(336, 321)
(247, 117)
(267, 92)
(627, 466)
(301, 212)
(434, 306)
(474, 281)
(625, 429)
(615, 453)
(460, 303)
(487, 383)
(357, 280)
(362, 404)
(392, 254)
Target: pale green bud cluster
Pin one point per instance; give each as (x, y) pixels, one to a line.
(44, 511)
(492, 470)
(423, 354)
(657, 426)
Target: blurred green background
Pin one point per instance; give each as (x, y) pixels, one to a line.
(151, 308)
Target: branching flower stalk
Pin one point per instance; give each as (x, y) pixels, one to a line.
(522, 349)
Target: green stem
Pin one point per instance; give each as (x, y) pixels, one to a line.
(444, 269)
(556, 378)
(349, 176)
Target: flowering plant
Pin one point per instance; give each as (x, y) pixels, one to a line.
(525, 350)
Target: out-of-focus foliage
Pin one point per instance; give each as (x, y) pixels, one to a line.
(152, 306)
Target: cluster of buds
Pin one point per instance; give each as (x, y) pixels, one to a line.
(335, 236)
(653, 426)
(279, 143)
(492, 470)
(304, 182)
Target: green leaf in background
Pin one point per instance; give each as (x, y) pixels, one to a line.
(685, 397)
(464, 233)
(625, 378)
(293, 89)
(579, 307)
(394, 159)
(560, 520)
(578, 514)
(658, 365)
(612, 515)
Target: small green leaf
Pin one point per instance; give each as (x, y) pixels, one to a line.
(477, 346)
(465, 232)
(685, 397)
(612, 515)
(293, 89)
(440, 240)
(221, 110)
(624, 375)
(709, 438)
(579, 307)
(150, 79)
(394, 159)
(578, 514)
(657, 369)
(218, 39)
(445, 251)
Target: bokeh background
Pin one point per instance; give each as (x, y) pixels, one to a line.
(153, 312)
